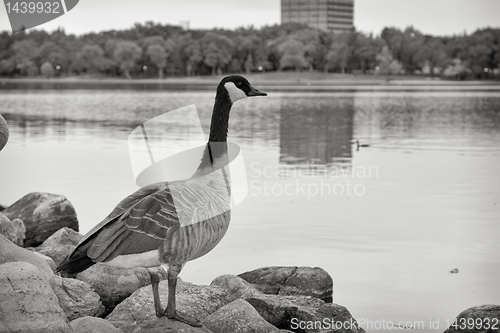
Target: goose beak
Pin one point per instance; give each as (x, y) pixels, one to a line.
(255, 92)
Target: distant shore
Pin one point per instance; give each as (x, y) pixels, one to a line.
(276, 81)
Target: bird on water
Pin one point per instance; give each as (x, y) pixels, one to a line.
(166, 224)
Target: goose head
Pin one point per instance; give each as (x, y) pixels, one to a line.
(230, 89)
(236, 87)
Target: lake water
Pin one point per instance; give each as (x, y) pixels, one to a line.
(387, 191)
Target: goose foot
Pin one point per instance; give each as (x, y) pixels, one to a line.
(159, 313)
(184, 319)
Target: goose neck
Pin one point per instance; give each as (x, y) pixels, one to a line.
(220, 119)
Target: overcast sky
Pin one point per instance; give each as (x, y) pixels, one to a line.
(435, 17)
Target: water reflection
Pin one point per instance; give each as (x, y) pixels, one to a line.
(312, 128)
(36, 127)
(316, 131)
(428, 120)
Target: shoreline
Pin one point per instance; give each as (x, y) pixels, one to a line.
(273, 83)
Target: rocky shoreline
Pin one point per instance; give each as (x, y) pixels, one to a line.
(38, 231)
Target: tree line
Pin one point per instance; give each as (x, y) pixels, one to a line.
(155, 50)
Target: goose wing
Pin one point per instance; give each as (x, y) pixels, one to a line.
(102, 242)
(121, 208)
(139, 225)
(141, 222)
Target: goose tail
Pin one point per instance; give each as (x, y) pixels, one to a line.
(76, 262)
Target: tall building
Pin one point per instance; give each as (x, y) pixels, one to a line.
(328, 15)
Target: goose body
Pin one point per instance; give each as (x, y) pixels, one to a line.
(166, 224)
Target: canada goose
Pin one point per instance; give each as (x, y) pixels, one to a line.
(149, 228)
(358, 145)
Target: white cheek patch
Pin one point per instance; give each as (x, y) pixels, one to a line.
(234, 92)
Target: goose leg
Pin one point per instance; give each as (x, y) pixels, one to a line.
(155, 280)
(171, 311)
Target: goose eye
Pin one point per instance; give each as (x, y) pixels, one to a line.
(239, 83)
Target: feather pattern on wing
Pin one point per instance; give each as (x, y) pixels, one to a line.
(141, 221)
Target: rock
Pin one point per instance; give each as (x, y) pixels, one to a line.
(92, 325)
(14, 230)
(236, 287)
(4, 132)
(154, 324)
(48, 260)
(77, 299)
(137, 312)
(238, 317)
(297, 313)
(60, 244)
(306, 281)
(484, 318)
(10, 252)
(43, 214)
(28, 303)
(2, 207)
(114, 284)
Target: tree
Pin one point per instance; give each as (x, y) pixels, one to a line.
(194, 58)
(72, 47)
(387, 64)
(235, 66)
(158, 56)
(91, 59)
(293, 54)
(249, 65)
(479, 52)
(456, 69)
(25, 53)
(246, 49)
(315, 48)
(51, 52)
(404, 45)
(218, 51)
(337, 57)
(366, 51)
(126, 54)
(432, 54)
(47, 69)
(152, 40)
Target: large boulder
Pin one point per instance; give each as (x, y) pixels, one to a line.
(306, 281)
(4, 132)
(236, 287)
(114, 284)
(60, 244)
(137, 312)
(238, 317)
(48, 260)
(296, 313)
(92, 325)
(77, 299)
(10, 252)
(14, 230)
(483, 318)
(28, 303)
(43, 214)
